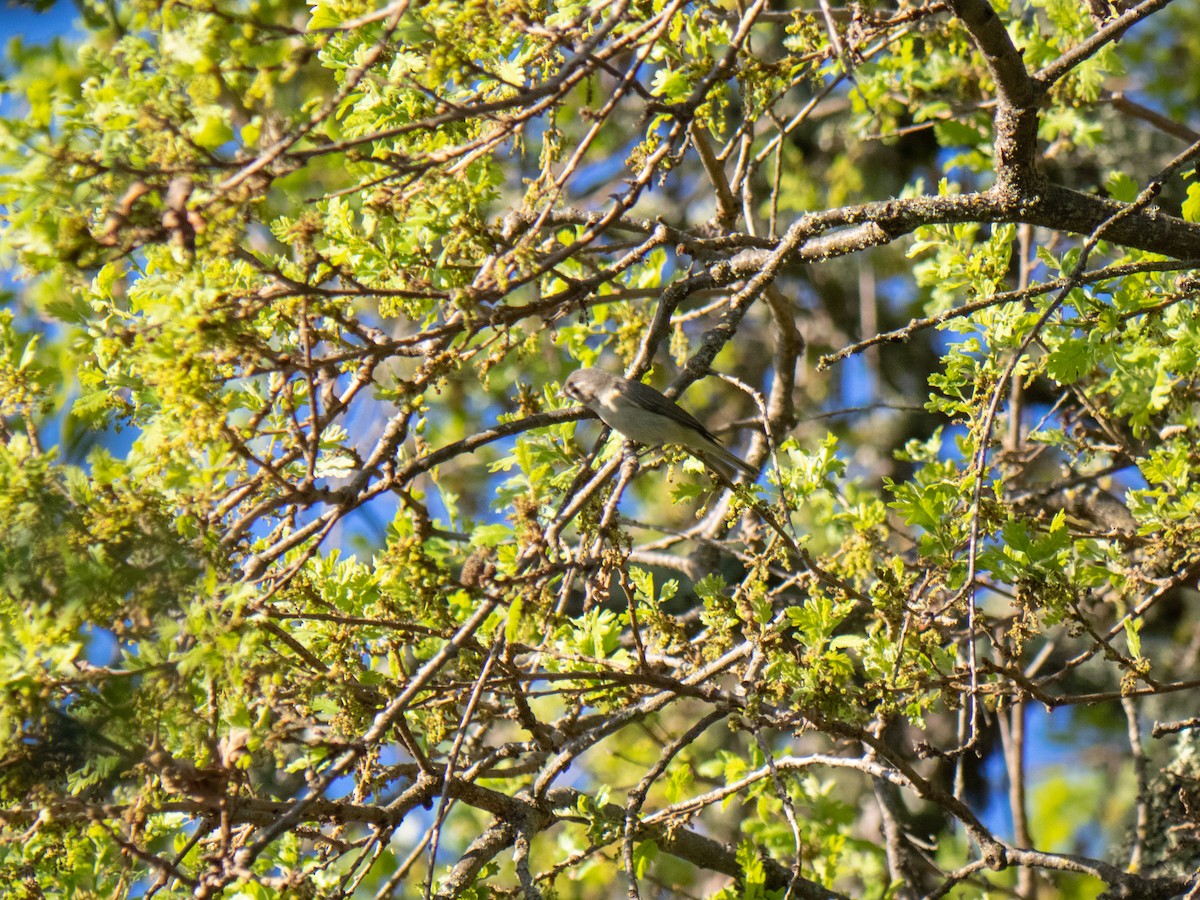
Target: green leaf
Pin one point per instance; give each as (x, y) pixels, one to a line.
(212, 130)
(1191, 205)
(1070, 360)
(1122, 188)
(1133, 637)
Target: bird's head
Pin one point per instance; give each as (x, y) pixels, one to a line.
(583, 385)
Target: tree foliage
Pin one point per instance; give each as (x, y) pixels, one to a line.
(313, 585)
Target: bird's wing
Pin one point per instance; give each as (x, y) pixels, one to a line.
(654, 401)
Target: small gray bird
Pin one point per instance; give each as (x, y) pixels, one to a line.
(644, 415)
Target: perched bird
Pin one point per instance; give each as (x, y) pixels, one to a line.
(644, 415)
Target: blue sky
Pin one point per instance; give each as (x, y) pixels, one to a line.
(33, 27)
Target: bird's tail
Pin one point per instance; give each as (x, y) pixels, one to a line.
(725, 463)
